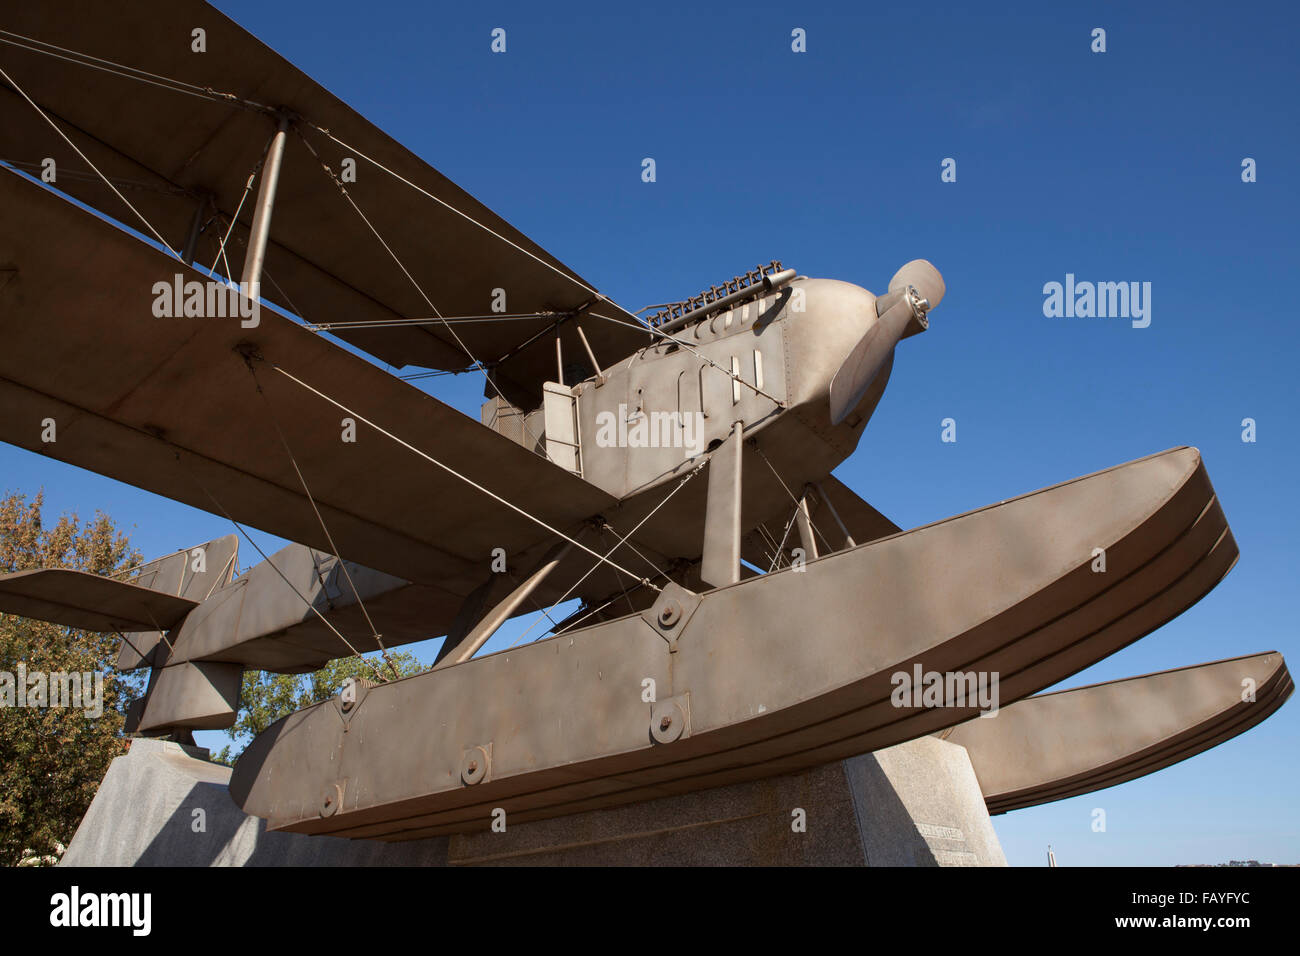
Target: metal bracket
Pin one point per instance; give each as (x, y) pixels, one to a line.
(671, 612)
(352, 694)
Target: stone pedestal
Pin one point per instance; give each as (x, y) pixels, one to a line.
(917, 804)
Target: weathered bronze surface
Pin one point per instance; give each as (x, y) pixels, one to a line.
(743, 613)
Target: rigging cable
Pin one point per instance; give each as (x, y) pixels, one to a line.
(812, 524)
(534, 439)
(780, 548)
(374, 162)
(469, 481)
(248, 187)
(120, 69)
(621, 541)
(206, 92)
(328, 623)
(328, 537)
(107, 183)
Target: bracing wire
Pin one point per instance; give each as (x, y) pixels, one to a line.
(107, 182)
(319, 517)
(311, 607)
(469, 481)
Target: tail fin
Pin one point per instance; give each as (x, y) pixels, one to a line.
(193, 574)
(156, 598)
(191, 695)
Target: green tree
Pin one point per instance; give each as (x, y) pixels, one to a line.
(52, 759)
(266, 698)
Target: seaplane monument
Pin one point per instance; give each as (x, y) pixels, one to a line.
(749, 628)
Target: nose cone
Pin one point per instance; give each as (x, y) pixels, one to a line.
(923, 277)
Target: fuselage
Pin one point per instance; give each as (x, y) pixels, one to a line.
(654, 416)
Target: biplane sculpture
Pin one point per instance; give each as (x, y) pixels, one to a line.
(742, 611)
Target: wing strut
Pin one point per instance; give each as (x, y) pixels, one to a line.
(261, 231)
(623, 540)
(721, 562)
(458, 652)
(808, 530)
(848, 538)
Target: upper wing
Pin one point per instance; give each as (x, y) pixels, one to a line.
(168, 145)
(170, 405)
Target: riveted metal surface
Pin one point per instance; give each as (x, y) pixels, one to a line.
(560, 701)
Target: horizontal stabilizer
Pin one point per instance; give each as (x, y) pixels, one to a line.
(89, 602)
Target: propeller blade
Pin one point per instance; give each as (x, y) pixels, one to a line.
(859, 370)
(915, 288)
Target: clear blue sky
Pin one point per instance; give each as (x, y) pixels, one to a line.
(1122, 166)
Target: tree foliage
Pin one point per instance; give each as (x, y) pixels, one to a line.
(52, 759)
(266, 698)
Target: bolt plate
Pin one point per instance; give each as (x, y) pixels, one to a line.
(475, 763)
(670, 719)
